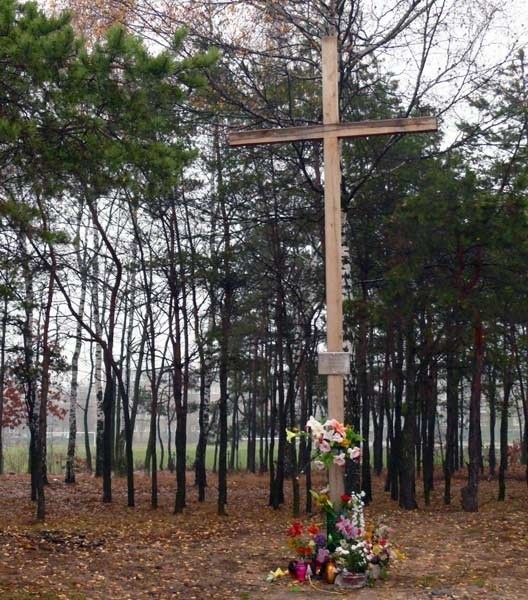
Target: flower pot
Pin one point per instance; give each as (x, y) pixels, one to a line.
(351, 581)
(300, 571)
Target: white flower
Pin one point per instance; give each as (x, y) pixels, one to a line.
(319, 465)
(315, 427)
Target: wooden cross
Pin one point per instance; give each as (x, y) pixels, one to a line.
(336, 363)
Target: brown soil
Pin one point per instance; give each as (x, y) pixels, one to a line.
(89, 550)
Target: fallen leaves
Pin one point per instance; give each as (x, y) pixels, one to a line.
(87, 550)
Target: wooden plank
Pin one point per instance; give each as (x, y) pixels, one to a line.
(340, 130)
(334, 294)
(330, 74)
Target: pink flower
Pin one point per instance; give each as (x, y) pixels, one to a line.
(345, 526)
(324, 447)
(336, 426)
(340, 459)
(354, 453)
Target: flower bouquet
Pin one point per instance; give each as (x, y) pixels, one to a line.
(360, 554)
(333, 442)
(307, 542)
(357, 553)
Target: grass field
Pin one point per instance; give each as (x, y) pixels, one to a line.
(16, 457)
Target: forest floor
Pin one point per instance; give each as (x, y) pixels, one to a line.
(88, 550)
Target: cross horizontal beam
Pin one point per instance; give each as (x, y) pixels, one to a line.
(340, 130)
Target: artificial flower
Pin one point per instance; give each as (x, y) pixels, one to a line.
(290, 435)
(324, 447)
(340, 459)
(354, 453)
(295, 529)
(336, 426)
(315, 427)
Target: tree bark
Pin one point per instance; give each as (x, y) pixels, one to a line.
(2, 378)
(452, 382)
(366, 482)
(503, 465)
(98, 327)
(492, 399)
(74, 385)
(44, 393)
(407, 447)
(470, 492)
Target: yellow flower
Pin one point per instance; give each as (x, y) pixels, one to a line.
(290, 435)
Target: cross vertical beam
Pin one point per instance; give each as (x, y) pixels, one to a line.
(333, 262)
(331, 131)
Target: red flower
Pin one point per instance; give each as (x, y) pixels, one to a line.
(345, 498)
(295, 530)
(313, 530)
(383, 542)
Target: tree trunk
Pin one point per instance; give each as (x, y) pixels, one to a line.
(399, 383)
(492, 398)
(366, 482)
(503, 466)
(87, 448)
(108, 404)
(29, 365)
(378, 414)
(264, 408)
(74, 385)
(462, 424)
(272, 429)
(223, 371)
(522, 389)
(429, 418)
(98, 326)
(450, 463)
(277, 497)
(2, 378)
(470, 492)
(44, 393)
(146, 272)
(407, 464)
(251, 465)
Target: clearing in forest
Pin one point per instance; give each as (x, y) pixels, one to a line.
(88, 550)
